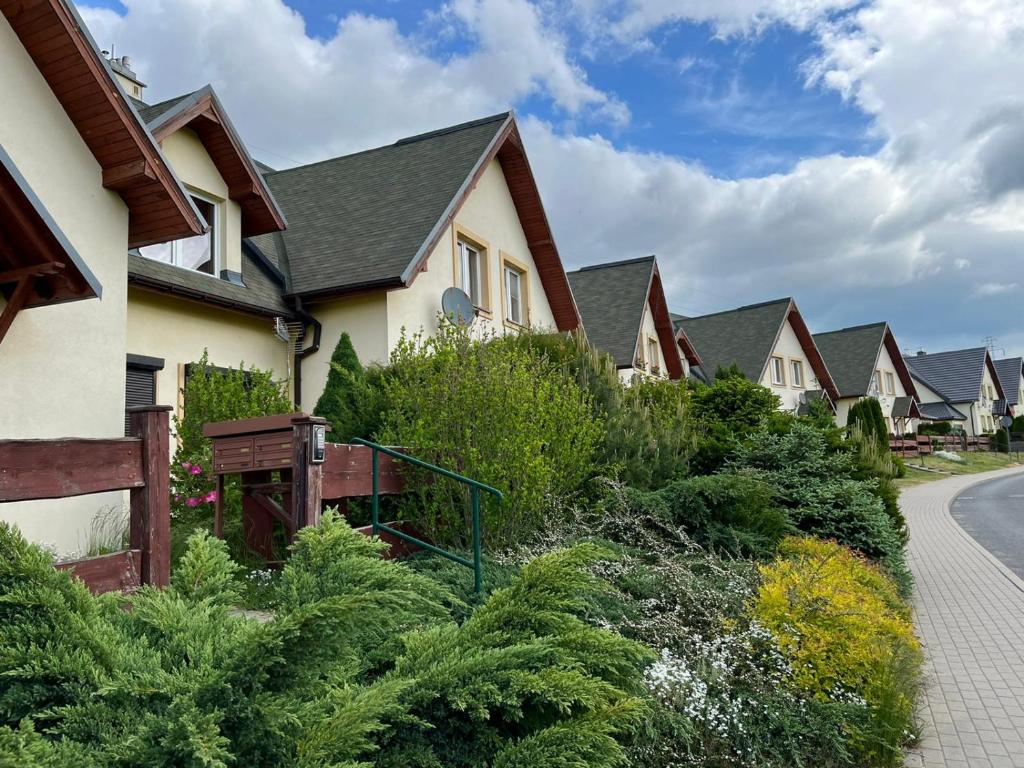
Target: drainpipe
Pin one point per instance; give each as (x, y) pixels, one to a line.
(312, 349)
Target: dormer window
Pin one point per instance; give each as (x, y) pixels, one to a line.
(199, 253)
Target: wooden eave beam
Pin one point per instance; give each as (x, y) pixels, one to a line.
(15, 304)
(127, 175)
(35, 270)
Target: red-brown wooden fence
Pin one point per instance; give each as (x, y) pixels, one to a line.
(54, 469)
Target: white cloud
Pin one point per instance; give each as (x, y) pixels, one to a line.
(994, 289)
(306, 98)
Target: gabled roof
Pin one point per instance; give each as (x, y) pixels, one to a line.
(59, 44)
(955, 375)
(906, 407)
(370, 220)
(202, 112)
(38, 264)
(612, 299)
(940, 411)
(851, 355)
(1009, 371)
(746, 337)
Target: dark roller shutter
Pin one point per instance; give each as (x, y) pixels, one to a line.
(140, 382)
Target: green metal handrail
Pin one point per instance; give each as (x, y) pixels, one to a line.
(475, 486)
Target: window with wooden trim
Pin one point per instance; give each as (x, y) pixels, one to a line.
(652, 355)
(796, 373)
(890, 383)
(471, 269)
(198, 253)
(778, 371)
(874, 389)
(515, 286)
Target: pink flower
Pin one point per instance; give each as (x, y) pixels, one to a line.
(186, 465)
(194, 502)
(196, 469)
(211, 496)
(177, 497)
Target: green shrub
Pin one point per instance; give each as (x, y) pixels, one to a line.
(350, 402)
(1000, 441)
(817, 486)
(215, 394)
(493, 412)
(724, 413)
(937, 428)
(849, 638)
(866, 415)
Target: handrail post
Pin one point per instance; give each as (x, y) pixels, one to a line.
(149, 522)
(477, 565)
(375, 496)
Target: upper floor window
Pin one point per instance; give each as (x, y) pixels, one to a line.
(652, 354)
(890, 383)
(778, 370)
(796, 370)
(471, 260)
(873, 389)
(516, 291)
(197, 253)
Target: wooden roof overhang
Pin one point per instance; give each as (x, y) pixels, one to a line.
(814, 357)
(889, 341)
(687, 348)
(132, 165)
(203, 113)
(664, 326)
(38, 265)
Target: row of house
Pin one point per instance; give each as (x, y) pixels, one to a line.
(136, 235)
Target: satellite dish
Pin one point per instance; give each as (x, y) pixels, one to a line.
(1006, 421)
(457, 307)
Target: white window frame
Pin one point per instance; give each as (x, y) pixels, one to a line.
(653, 348)
(796, 372)
(215, 244)
(780, 380)
(890, 382)
(508, 271)
(466, 248)
(875, 387)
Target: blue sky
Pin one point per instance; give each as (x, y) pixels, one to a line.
(860, 155)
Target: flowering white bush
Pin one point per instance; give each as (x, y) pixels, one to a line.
(950, 456)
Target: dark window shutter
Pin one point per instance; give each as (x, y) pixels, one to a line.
(139, 389)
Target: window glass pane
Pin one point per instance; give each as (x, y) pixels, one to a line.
(777, 371)
(197, 253)
(470, 268)
(159, 252)
(798, 373)
(513, 295)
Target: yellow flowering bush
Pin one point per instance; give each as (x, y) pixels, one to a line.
(848, 636)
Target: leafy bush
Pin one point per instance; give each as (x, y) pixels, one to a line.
(350, 402)
(724, 413)
(493, 412)
(816, 484)
(1000, 441)
(849, 638)
(215, 394)
(935, 428)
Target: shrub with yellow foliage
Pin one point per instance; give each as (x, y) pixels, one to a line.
(849, 638)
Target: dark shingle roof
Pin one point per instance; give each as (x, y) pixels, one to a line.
(850, 355)
(261, 292)
(150, 112)
(611, 300)
(956, 375)
(903, 407)
(940, 411)
(365, 219)
(744, 336)
(1009, 371)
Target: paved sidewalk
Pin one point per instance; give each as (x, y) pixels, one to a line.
(970, 616)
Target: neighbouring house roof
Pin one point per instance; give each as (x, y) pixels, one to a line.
(38, 264)
(132, 165)
(1000, 407)
(906, 407)
(851, 355)
(746, 337)
(940, 411)
(261, 291)
(370, 220)
(955, 375)
(612, 299)
(202, 112)
(1009, 371)
(811, 396)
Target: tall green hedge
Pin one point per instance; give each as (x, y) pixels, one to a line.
(867, 415)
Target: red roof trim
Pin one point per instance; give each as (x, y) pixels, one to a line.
(663, 325)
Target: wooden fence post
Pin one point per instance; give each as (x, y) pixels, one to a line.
(307, 477)
(150, 521)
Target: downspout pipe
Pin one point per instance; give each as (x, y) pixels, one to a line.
(308, 321)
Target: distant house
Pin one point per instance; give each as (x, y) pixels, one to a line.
(865, 361)
(624, 313)
(961, 385)
(1010, 372)
(770, 344)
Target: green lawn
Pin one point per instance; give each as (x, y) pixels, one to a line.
(973, 462)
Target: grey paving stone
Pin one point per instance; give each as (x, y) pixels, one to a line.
(969, 612)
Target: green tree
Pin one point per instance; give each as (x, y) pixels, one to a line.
(350, 403)
(866, 414)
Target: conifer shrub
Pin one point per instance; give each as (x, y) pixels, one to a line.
(494, 412)
(866, 415)
(350, 402)
(848, 636)
(724, 414)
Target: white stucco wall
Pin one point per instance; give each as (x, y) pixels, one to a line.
(648, 331)
(178, 331)
(188, 157)
(62, 366)
(788, 348)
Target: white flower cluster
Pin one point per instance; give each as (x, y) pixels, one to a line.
(260, 578)
(950, 456)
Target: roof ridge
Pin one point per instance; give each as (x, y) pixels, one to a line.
(947, 352)
(745, 306)
(853, 328)
(620, 263)
(398, 143)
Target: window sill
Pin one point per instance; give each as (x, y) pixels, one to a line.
(512, 325)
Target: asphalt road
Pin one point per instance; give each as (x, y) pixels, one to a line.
(993, 514)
